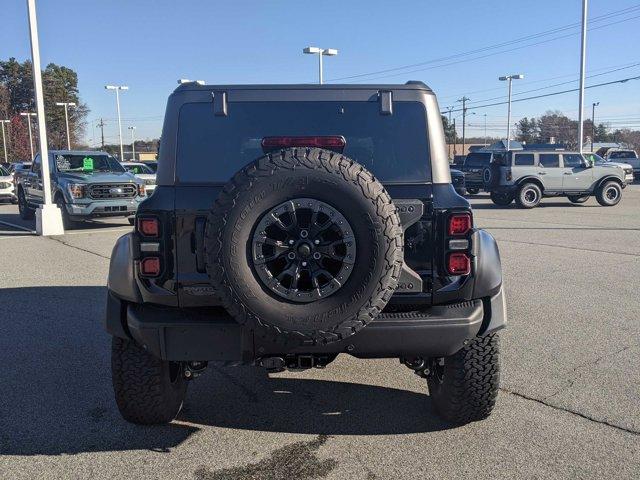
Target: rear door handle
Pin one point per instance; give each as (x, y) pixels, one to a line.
(567, 173)
(542, 173)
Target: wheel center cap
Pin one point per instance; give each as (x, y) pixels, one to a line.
(304, 250)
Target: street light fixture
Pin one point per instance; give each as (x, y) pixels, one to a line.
(66, 106)
(117, 88)
(29, 115)
(330, 52)
(133, 143)
(510, 78)
(4, 139)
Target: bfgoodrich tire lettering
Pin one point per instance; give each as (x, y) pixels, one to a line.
(330, 178)
(464, 386)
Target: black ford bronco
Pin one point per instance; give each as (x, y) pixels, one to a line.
(292, 223)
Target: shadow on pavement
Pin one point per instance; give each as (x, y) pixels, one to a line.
(56, 381)
(57, 396)
(247, 398)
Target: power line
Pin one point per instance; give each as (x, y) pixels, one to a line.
(623, 80)
(531, 82)
(557, 84)
(495, 46)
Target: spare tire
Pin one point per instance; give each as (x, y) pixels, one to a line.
(306, 243)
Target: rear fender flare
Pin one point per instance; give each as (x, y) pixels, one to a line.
(122, 280)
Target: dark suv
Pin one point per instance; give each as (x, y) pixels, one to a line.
(292, 223)
(473, 167)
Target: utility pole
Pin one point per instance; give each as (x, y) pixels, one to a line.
(101, 125)
(133, 144)
(66, 106)
(4, 140)
(593, 123)
(464, 101)
(29, 115)
(48, 215)
(583, 65)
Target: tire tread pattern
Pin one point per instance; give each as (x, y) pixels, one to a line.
(141, 384)
(471, 382)
(312, 159)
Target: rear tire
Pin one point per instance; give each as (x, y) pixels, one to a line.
(609, 194)
(473, 191)
(578, 198)
(501, 199)
(464, 386)
(148, 390)
(529, 196)
(26, 213)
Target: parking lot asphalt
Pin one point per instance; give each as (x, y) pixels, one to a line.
(569, 405)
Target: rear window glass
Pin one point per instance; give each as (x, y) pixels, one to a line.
(212, 148)
(549, 160)
(524, 159)
(613, 155)
(477, 160)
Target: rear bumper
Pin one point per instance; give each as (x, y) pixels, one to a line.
(212, 335)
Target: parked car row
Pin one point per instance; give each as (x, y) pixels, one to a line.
(527, 176)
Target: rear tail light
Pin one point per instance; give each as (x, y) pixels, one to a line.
(149, 226)
(332, 142)
(509, 176)
(150, 267)
(460, 224)
(459, 264)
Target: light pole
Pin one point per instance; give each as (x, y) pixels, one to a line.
(117, 88)
(583, 65)
(66, 106)
(485, 129)
(4, 139)
(510, 78)
(449, 110)
(48, 216)
(133, 143)
(593, 123)
(331, 52)
(29, 115)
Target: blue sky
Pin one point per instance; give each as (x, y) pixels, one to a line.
(148, 45)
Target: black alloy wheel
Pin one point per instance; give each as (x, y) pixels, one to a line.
(303, 250)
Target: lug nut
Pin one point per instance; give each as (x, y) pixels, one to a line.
(291, 242)
(304, 264)
(291, 255)
(317, 255)
(316, 241)
(304, 233)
